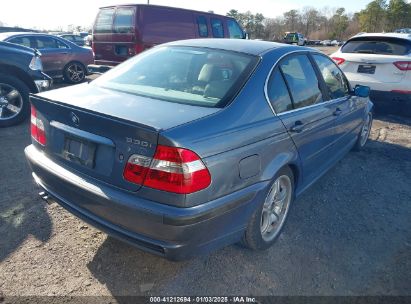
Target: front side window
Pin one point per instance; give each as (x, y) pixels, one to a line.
(333, 77)
(234, 30)
(123, 23)
(196, 76)
(104, 21)
(278, 93)
(302, 81)
(217, 27)
(202, 26)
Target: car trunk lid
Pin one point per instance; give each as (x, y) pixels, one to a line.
(95, 130)
(378, 68)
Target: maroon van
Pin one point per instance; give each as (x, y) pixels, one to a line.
(122, 31)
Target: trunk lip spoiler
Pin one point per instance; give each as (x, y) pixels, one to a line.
(84, 110)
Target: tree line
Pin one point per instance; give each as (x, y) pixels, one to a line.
(327, 23)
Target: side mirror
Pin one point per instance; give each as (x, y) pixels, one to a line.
(361, 91)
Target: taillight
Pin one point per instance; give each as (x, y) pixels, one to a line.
(137, 168)
(171, 169)
(37, 127)
(136, 49)
(403, 65)
(338, 60)
(139, 47)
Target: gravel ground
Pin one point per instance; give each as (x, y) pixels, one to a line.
(349, 234)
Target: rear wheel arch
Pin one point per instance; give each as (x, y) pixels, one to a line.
(9, 70)
(296, 173)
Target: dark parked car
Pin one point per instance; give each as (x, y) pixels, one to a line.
(20, 74)
(76, 39)
(196, 144)
(120, 32)
(61, 58)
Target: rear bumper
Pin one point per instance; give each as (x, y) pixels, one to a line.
(173, 232)
(396, 103)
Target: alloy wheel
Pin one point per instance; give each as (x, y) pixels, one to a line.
(365, 131)
(275, 208)
(11, 102)
(75, 72)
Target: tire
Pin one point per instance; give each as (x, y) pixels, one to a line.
(14, 100)
(258, 235)
(364, 133)
(74, 72)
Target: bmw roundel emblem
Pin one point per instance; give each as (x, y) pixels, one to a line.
(75, 119)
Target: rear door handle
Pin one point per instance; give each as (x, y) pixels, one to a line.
(298, 127)
(337, 112)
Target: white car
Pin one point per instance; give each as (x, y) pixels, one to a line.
(381, 61)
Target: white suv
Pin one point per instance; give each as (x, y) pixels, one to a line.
(381, 61)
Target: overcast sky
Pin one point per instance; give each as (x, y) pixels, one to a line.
(49, 14)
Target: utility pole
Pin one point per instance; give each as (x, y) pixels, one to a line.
(148, 1)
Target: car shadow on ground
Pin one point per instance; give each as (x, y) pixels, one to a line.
(349, 234)
(394, 119)
(22, 213)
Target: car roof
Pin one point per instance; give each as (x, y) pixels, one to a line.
(10, 34)
(252, 47)
(163, 6)
(6, 35)
(388, 35)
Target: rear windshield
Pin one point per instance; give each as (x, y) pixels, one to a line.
(104, 21)
(195, 76)
(291, 37)
(123, 22)
(378, 45)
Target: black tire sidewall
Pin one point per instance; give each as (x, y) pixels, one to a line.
(252, 237)
(24, 91)
(66, 76)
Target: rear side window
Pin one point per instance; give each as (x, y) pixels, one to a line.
(202, 26)
(104, 21)
(48, 43)
(333, 77)
(123, 23)
(302, 81)
(278, 93)
(234, 30)
(217, 27)
(378, 45)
